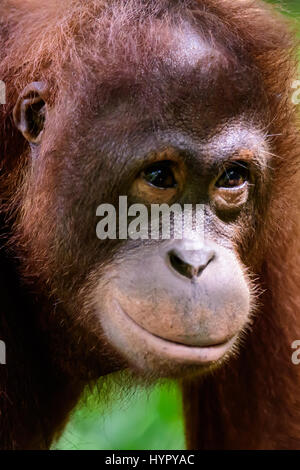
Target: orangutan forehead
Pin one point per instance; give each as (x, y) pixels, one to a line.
(174, 46)
(159, 57)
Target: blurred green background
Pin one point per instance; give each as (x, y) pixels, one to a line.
(140, 419)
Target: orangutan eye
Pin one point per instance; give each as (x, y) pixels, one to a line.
(160, 175)
(234, 176)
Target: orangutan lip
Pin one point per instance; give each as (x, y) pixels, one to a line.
(179, 351)
(198, 346)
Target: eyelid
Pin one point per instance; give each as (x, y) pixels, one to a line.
(233, 188)
(164, 165)
(236, 164)
(159, 164)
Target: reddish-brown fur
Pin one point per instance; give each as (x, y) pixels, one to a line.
(250, 403)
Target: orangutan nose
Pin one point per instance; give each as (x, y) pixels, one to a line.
(190, 263)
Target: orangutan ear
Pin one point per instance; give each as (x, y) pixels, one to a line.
(30, 111)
